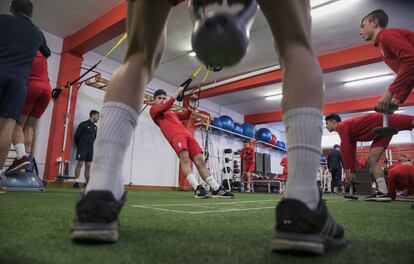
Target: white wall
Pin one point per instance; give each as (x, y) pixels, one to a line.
(42, 130)
(149, 159)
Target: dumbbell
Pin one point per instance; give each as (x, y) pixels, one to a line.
(385, 130)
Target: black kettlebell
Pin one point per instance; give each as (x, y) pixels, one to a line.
(219, 37)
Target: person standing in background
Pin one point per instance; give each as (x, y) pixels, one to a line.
(335, 167)
(85, 136)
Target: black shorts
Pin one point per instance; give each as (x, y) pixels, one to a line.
(12, 95)
(84, 154)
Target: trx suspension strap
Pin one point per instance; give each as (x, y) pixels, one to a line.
(57, 91)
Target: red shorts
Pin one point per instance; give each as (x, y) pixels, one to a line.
(186, 142)
(37, 100)
(248, 167)
(400, 122)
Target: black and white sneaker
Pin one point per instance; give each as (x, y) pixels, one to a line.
(96, 217)
(379, 197)
(200, 193)
(221, 193)
(302, 230)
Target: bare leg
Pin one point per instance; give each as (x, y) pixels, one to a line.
(87, 171)
(146, 41)
(28, 130)
(201, 166)
(18, 134)
(185, 163)
(146, 22)
(375, 169)
(78, 168)
(6, 133)
(205, 172)
(290, 23)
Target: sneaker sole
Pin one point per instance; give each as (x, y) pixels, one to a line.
(301, 243)
(105, 233)
(16, 169)
(378, 199)
(200, 197)
(222, 197)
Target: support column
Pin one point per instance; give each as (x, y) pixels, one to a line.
(70, 67)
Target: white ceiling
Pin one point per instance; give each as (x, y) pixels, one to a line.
(335, 31)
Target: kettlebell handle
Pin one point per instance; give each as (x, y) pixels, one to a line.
(247, 12)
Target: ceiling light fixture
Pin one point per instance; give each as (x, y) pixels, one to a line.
(192, 54)
(274, 97)
(368, 80)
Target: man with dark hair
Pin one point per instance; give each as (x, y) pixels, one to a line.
(361, 128)
(184, 144)
(334, 163)
(397, 49)
(303, 222)
(85, 136)
(19, 42)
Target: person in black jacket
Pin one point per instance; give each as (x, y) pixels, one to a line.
(19, 42)
(335, 167)
(85, 136)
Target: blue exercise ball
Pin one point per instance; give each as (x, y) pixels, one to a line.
(279, 144)
(227, 122)
(238, 129)
(217, 122)
(264, 135)
(248, 130)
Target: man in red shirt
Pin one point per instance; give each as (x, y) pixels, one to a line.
(284, 164)
(397, 49)
(248, 156)
(361, 128)
(37, 99)
(400, 177)
(184, 144)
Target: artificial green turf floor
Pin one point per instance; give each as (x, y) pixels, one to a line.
(34, 228)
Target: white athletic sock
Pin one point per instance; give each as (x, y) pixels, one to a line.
(304, 136)
(20, 150)
(382, 185)
(192, 181)
(212, 182)
(115, 129)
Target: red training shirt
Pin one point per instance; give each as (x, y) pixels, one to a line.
(247, 154)
(39, 75)
(397, 49)
(168, 121)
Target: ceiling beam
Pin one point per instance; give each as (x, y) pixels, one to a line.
(333, 61)
(357, 105)
(100, 31)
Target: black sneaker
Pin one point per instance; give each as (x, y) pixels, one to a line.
(302, 230)
(221, 193)
(200, 192)
(76, 185)
(378, 197)
(96, 217)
